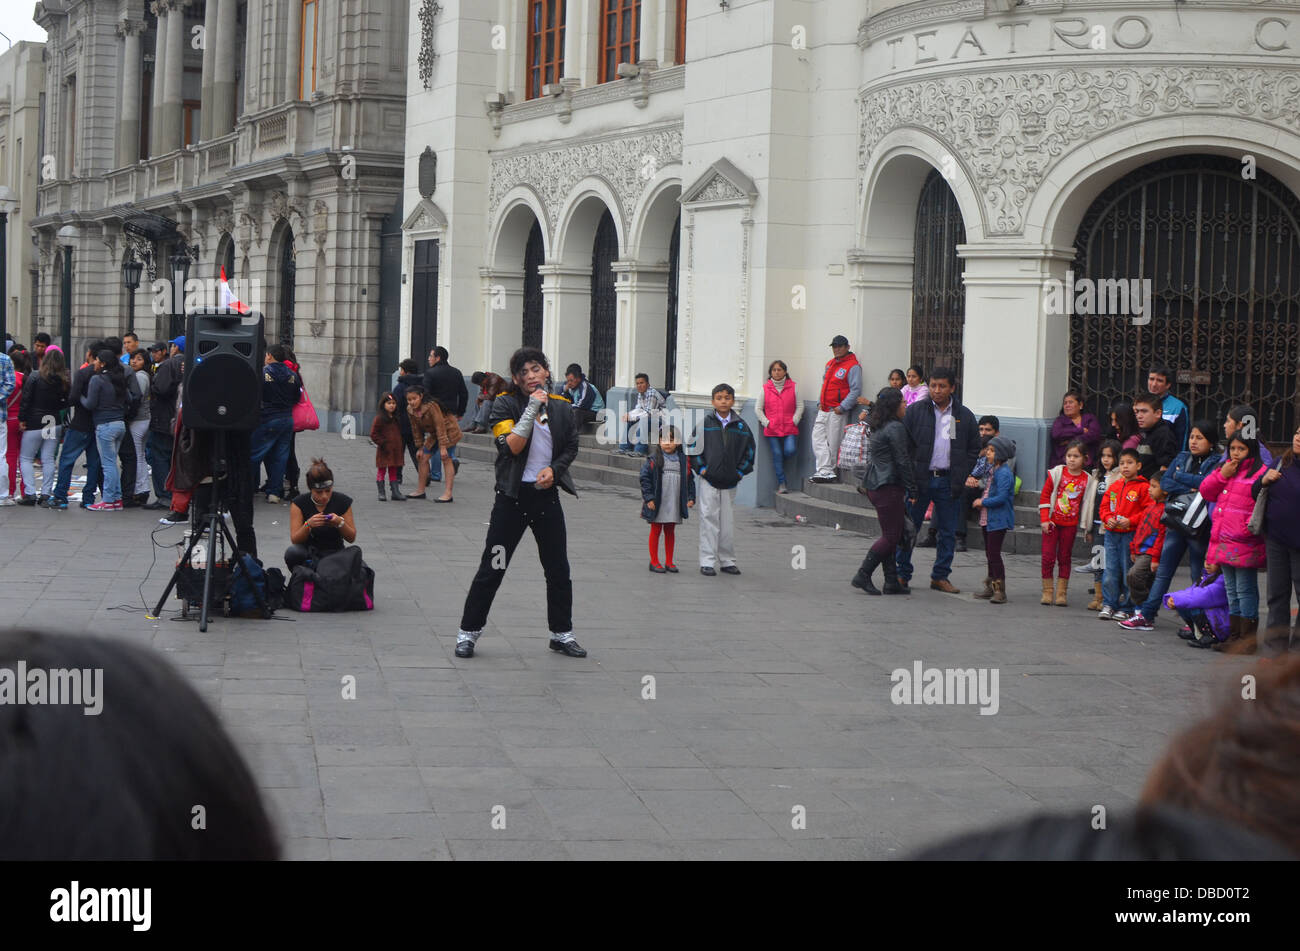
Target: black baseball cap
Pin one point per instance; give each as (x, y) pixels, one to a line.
(158, 346)
(840, 341)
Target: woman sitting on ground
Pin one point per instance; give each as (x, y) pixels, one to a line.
(320, 520)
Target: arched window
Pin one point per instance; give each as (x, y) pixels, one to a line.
(938, 294)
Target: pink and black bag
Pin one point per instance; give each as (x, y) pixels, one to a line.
(338, 581)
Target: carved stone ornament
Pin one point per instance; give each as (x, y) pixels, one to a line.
(428, 173)
(428, 10)
(627, 162)
(1009, 129)
(224, 220)
(320, 223)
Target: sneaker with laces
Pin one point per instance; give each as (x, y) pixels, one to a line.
(273, 499)
(1105, 613)
(1120, 616)
(173, 518)
(105, 507)
(1137, 623)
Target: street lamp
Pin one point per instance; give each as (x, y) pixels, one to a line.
(131, 269)
(7, 204)
(67, 237)
(180, 262)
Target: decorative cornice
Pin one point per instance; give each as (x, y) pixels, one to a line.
(660, 80)
(626, 161)
(1009, 129)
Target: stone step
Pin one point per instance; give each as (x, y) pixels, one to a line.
(845, 493)
(1024, 539)
(590, 465)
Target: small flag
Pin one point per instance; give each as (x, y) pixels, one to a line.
(227, 298)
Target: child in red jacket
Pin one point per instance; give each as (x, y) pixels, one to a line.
(1059, 505)
(1121, 510)
(1148, 540)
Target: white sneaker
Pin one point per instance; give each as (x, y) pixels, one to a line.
(1104, 614)
(1119, 616)
(8, 500)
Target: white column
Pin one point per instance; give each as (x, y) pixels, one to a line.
(649, 33)
(293, 52)
(209, 55)
(159, 65)
(223, 83)
(566, 313)
(173, 131)
(128, 132)
(641, 339)
(253, 56)
(573, 29)
(504, 54)
(503, 309)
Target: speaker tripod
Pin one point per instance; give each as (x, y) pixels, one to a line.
(215, 522)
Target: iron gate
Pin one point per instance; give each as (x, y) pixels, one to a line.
(604, 304)
(1222, 253)
(670, 362)
(288, 290)
(534, 256)
(938, 294)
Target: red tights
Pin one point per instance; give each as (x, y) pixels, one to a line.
(670, 539)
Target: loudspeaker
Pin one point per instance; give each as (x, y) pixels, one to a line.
(224, 353)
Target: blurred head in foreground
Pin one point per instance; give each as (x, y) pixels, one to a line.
(130, 763)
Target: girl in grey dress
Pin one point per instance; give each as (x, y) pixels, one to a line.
(667, 491)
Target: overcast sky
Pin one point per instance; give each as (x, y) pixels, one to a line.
(17, 24)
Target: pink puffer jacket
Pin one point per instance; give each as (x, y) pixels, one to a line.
(1230, 542)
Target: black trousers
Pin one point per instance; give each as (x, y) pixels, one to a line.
(126, 456)
(964, 509)
(1283, 578)
(238, 493)
(538, 509)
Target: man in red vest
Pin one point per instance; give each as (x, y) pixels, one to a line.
(841, 387)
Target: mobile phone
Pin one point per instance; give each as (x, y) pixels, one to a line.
(329, 518)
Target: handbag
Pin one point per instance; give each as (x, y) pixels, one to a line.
(1188, 515)
(855, 448)
(1256, 524)
(304, 414)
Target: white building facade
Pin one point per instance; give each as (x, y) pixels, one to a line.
(692, 190)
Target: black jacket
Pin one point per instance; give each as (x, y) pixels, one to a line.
(726, 455)
(105, 403)
(891, 459)
(78, 416)
(652, 486)
(41, 398)
(964, 447)
(163, 388)
(399, 394)
(506, 410)
(1157, 449)
(444, 383)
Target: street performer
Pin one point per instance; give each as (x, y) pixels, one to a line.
(537, 439)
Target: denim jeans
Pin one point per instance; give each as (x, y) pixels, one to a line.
(34, 443)
(1170, 556)
(158, 452)
(108, 438)
(783, 447)
(938, 490)
(271, 443)
(75, 442)
(635, 437)
(435, 463)
(1114, 579)
(1242, 587)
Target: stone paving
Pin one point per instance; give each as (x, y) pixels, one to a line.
(772, 690)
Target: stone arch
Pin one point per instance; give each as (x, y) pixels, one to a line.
(648, 324)
(225, 256)
(652, 219)
(579, 217)
(883, 262)
(1060, 203)
(282, 235)
(508, 232)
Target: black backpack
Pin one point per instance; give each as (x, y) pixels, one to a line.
(133, 398)
(338, 581)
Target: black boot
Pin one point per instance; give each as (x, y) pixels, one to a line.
(863, 578)
(891, 576)
(382, 497)
(393, 491)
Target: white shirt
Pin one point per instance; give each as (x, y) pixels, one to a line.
(539, 452)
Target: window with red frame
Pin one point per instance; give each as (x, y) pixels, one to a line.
(681, 31)
(620, 32)
(545, 44)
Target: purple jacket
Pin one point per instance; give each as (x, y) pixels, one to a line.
(1065, 432)
(1211, 597)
